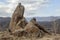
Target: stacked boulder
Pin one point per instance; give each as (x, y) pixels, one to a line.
(20, 27)
(32, 30)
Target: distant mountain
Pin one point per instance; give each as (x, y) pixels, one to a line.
(4, 23)
(44, 18)
(4, 19)
(47, 22)
(37, 18)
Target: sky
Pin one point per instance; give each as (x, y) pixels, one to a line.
(33, 8)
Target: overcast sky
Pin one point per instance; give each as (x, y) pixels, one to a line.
(33, 8)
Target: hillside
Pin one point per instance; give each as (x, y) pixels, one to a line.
(43, 21)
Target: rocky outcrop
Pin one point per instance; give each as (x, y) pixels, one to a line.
(19, 26)
(39, 26)
(18, 21)
(34, 29)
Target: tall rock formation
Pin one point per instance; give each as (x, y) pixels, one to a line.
(17, 19)
(20, 27)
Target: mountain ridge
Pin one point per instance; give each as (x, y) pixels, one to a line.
(51, 18)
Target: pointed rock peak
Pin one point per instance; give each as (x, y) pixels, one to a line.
(19, 10)
(17, 17)
(33, 19)
(19, 3)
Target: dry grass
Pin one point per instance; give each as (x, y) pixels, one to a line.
(7, 36)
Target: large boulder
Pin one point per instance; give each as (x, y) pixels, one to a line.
(32, 30)
(39, 26)
(17, 19)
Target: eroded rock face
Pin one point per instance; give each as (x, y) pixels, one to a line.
(32, 30)
(17, 19)
(39, 26)
(19, 26)
(22, 23)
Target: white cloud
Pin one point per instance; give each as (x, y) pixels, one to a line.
(9, 8)
(30, 5)
(35, 5)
